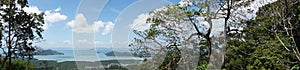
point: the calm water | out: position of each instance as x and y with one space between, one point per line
69 56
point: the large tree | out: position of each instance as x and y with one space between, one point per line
188 25
167 38
19 30
267 42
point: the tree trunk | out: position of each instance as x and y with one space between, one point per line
9 39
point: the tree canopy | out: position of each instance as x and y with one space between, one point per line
268 41
19 31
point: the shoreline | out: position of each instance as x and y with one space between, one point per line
90 61
69 65
109 59
69 56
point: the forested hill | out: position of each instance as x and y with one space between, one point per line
270 41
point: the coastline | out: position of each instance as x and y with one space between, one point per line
69 56
67 61
69 65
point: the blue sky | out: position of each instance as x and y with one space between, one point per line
58 31
101 23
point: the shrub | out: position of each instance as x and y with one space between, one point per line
19 65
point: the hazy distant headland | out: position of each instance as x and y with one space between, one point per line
48 52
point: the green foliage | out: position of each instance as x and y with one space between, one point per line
188 13
295 67
165 36
20 65
204 67
262 44
259 46
19 30
172 59
299 14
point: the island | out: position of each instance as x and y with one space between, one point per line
114 53
47 52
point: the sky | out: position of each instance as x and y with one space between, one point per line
66 18
97 22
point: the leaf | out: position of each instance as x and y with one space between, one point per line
188 13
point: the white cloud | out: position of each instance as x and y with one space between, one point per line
67 42
218 25
55 16
203 24
80 25
108 28
259 3
99 24
57 10
184 3
140 23
253 6
50 16
32 9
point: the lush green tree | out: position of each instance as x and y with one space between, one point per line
167 38
189 24
19 65
268 41
19 30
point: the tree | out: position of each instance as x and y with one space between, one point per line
268 41
20 65
213 10
190 25
19 30
167 36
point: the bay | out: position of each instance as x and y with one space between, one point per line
69 56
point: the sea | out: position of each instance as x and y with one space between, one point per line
86 55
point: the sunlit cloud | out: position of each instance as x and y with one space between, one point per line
140 23
80 25
50 16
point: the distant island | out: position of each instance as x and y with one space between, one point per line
48 52
114 53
